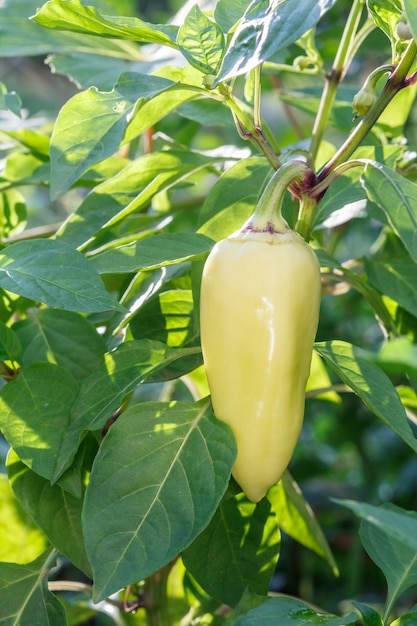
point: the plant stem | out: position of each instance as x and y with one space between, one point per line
155 598
267 216
249 130
339 68
394 84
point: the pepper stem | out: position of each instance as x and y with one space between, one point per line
268 216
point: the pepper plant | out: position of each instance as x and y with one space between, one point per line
117 501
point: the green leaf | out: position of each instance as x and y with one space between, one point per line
12 213
104 390
155 484
407 619
91 125
238 549
287 611
227 14
370 383
147 113
10 101
34 414
55 511
201 41
344 195
397 197
92 70
53 273
391 554
10 346
394 277
168 318
27 169
232 199
21 541
65 338
369 616
410 10
385 14
399 525
128 191
74 16
296 518
152 252
265 29
20 36
25 598
399 356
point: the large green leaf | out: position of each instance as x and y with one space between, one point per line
53 273
153 252
397 197
120 372
25 599
91 125
393 556
74 16
21 36
128 191
21 541
155 484
201 41
62 337
35 412
55 511
238 549
370 383
296 518
266 28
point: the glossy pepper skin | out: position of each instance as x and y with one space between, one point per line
260 299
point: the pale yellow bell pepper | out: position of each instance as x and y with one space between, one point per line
260 299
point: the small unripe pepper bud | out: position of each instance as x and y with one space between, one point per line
363 100
403 29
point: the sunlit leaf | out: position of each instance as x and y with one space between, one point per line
238 549
72 15
55 511
21 541
65 338
370 383
129 191
156 482
34 414
25 598
53 273
120 372
201 41
91 125
12 213
153 252
296 518
266 28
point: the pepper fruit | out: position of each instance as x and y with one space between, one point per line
260 300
